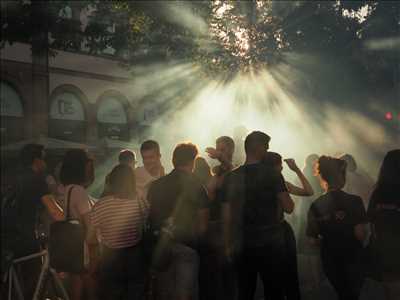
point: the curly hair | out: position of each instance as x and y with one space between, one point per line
332 171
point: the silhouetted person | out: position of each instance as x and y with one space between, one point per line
202 170
274 160
384 215
255 197
180 201
33 196
310 269
217 276
311 173
336 222
357 183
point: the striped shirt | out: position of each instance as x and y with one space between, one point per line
119 221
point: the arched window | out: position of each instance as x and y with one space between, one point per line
67 118
112 117
12 114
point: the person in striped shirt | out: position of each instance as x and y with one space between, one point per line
118 220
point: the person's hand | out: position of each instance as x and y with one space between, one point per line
292 164
213 153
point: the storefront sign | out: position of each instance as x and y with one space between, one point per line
66 106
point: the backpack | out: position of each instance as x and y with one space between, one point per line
66 243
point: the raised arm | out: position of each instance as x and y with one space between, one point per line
306 189
226 164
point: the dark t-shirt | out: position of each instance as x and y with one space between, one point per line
382 198
215 205
179 194
333 217
32 187
384 214
251 191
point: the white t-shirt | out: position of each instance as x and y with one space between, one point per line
143 181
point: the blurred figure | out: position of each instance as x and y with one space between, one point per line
223 152
119 219
152 168
254 199
202 170
239 134
357 183
32 197
337 223
77 173
310 269
125 157
179 201
274 160
216 275
384 215
311 172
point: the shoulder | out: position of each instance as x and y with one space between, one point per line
103 201
78 192
352 198
141 172
236 172
159 183
320 202
162 180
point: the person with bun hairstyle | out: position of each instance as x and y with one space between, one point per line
337 224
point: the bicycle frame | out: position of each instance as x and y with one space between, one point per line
44 272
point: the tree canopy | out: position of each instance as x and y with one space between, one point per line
222 36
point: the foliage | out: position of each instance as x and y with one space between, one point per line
224 37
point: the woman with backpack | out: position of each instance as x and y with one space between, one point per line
384 215
76 174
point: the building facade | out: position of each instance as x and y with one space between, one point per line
77 97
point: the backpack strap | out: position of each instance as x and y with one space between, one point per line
68 202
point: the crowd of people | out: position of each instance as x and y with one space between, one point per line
212 233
